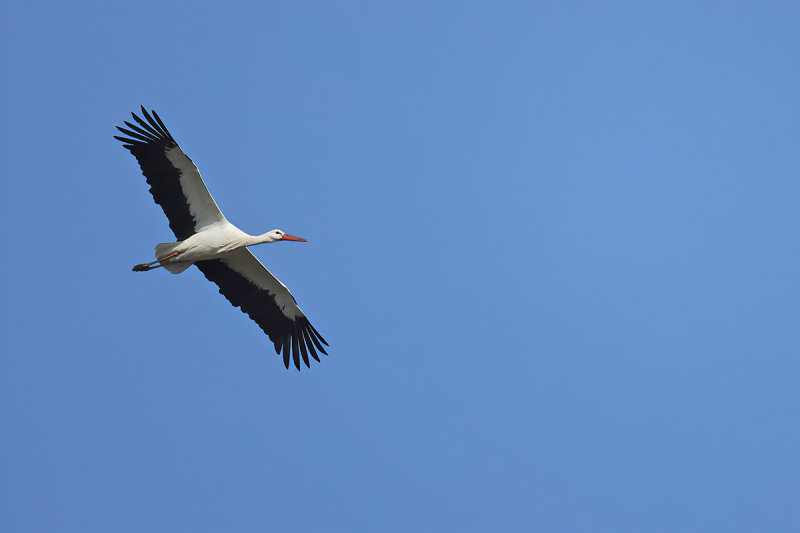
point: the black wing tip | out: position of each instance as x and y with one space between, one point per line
295 352
298 345
151 129
303 351
318 334
310 345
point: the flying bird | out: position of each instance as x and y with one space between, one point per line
218 248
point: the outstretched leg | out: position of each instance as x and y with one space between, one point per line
148 266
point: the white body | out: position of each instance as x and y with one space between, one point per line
213 242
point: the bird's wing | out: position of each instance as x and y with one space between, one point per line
174 180
246 283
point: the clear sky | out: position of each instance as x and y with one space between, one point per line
554 247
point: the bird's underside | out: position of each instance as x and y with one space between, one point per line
176 185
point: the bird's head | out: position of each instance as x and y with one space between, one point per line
280 235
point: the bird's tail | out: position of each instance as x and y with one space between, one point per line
166 248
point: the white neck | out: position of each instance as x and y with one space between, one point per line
259 239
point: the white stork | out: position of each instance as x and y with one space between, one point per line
214 245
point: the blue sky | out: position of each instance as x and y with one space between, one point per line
553 245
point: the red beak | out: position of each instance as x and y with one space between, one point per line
287 237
